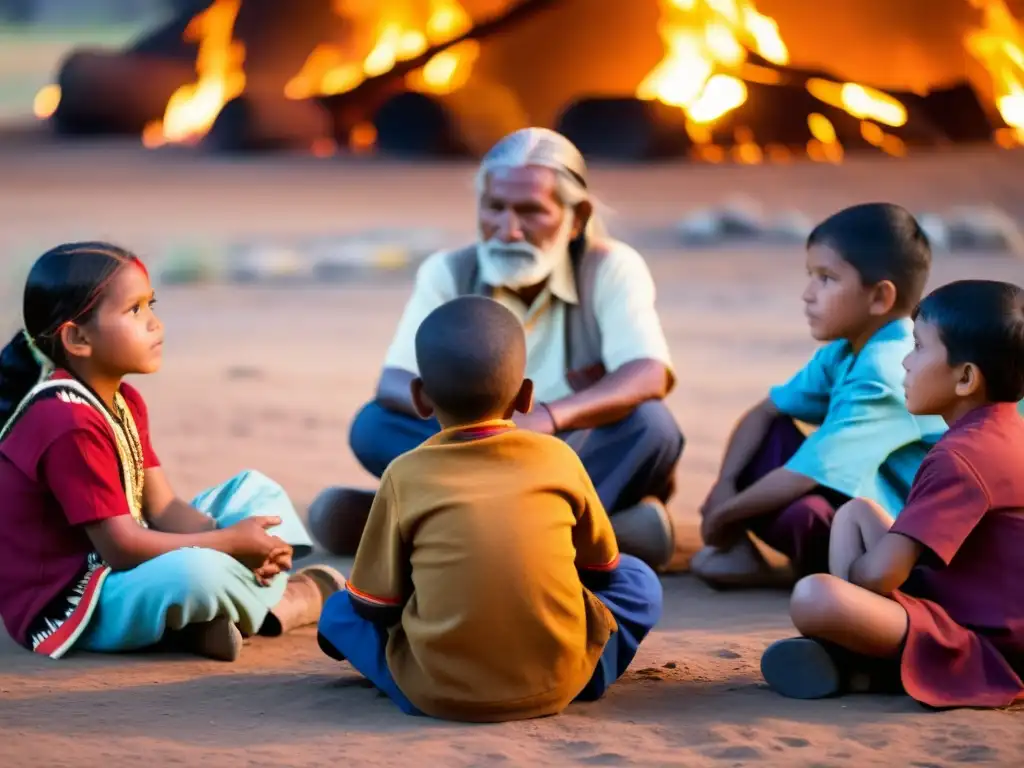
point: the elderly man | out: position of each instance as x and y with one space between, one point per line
596 350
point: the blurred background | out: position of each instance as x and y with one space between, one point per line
284 166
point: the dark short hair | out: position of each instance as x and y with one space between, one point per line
881 241
471 353
982 322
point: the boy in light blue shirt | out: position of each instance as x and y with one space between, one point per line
867 268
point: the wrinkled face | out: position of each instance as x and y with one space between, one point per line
836 303
522 205
125 334
931 383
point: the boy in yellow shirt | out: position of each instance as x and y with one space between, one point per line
488 585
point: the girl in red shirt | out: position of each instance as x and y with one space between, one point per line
99 553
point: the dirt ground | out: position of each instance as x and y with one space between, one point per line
269 378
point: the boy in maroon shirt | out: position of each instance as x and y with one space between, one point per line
941 591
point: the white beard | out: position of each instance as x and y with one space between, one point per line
522 264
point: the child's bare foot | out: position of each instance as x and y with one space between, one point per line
742 565
304 598
219 639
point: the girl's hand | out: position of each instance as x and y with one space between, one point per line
249 542
279 561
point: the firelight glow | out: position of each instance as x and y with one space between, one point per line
403 32
999 45
192 108
706 65
706 40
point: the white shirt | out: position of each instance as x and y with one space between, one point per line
624 299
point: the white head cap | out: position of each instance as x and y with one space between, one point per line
548 149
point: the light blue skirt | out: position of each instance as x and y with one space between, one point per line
193 585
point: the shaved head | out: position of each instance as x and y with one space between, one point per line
471 353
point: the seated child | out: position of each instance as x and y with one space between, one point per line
868 266
99 553
488 585
939 597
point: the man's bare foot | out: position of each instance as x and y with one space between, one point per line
337 517
645 531
742 565
698 559
219 639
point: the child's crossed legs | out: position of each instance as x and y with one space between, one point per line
858 526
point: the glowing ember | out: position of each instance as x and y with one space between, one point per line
999 45
860 101
46 101
705 41
192 108
875 136
363 138
825 146
402 33
323 148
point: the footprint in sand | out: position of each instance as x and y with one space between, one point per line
575 748
973 753
794 741
605 758
735 753
237 372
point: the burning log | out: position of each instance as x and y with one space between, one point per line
625 128
953 114
466 122
362 102
958 113
129 91
251 123
779 115
115 93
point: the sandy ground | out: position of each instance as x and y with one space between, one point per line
269 378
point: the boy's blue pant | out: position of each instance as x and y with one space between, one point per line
633 597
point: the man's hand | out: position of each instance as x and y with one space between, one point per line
713 528
722 491
537 420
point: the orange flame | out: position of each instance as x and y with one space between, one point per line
192 108
705 71
706 41
401 34
999 45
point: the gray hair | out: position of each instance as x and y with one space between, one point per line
548 149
